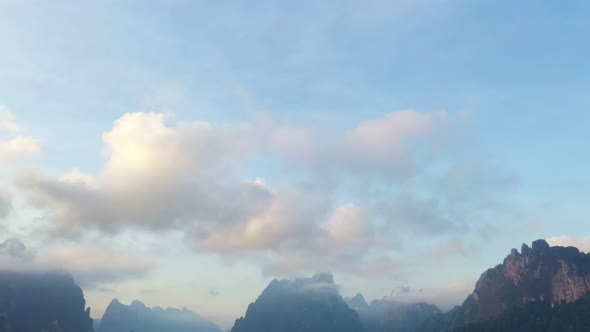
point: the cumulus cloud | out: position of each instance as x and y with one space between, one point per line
161 174
582 243
155 177
15 148
18 148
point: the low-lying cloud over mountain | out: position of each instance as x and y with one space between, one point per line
90 267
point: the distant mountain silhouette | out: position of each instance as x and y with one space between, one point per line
551 276
302 305
35 302
137 317
387 315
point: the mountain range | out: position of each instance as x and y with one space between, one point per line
538 288
119 317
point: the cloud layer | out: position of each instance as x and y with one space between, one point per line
14 147
161 174
90 267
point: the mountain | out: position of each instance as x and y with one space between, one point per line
302 305
387 315
137 317
551 275
33 302
538 316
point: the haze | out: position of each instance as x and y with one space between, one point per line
186 153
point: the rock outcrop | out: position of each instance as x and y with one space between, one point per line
554 275
389 315
35 302
137 317
303 305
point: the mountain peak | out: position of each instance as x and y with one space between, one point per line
541 273
540 246
301 305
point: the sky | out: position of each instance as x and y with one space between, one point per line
185 153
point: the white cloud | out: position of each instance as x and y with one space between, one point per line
582 243
19 148
187 176
156 176
15 148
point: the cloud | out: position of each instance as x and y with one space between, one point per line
445 297
394 146
15 148
582 243
160 174
156 177
5 204
92 267
18 148
419 215
15 252
454 248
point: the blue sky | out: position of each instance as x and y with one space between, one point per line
444 132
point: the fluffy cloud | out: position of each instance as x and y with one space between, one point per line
582 243
15 148
156 177
188 176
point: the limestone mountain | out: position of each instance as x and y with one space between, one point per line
302 305
48 301
137 317
554 275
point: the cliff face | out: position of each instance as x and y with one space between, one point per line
391 316
34 302
304 305
553 275
540 273
137 317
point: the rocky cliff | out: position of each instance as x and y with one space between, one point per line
35 302
137 317
554 275
303 305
